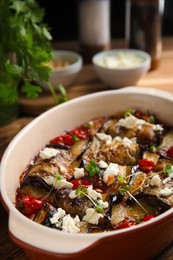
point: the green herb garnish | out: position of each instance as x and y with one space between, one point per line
75 138
123 189
92 168
152 119
168 169
128 112
81 191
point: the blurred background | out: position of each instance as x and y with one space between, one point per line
63 20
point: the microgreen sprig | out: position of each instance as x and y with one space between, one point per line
168 169
152 119
127 112
56 179
82 192
92 168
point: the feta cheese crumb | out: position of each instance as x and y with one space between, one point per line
72 194
102 164
103 204
92 216
70 224
155 181
93 194
171 175
63 184
127 142
79 173
65 222
57 216
166 192
111 171
106 138
166 180
48 153
131 121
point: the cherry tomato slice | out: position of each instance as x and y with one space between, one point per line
65 139
147 217
125 224
30 205
82 134
169 153
84 183
146 165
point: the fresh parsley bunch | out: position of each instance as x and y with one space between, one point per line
25 49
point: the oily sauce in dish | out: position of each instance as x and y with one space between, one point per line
109 173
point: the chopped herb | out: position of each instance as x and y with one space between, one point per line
92 168
168 169
87 125
81 191
122 190
75 138
121 179
58 177
154 148
128 112
99 208
152 119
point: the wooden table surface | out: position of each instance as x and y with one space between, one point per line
86 82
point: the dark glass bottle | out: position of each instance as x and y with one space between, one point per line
143 27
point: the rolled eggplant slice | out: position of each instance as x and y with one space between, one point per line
76 206
115 152
44 213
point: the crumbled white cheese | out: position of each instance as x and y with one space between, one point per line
118 138
171 175
48 153
103 137
127 142
63 184
131 121
72 194
70 224
166 180
57 216
102 164
65 222
62 169
166 192
92 216
103 204
155 181
93 194
112 170
79 173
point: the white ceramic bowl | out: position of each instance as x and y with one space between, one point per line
65 75
142 241
121 67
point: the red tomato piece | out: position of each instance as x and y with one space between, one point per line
82 134
84 183
30 205
125 224
146 165
65 139
169 153
147 217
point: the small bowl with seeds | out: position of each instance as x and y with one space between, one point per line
65 67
